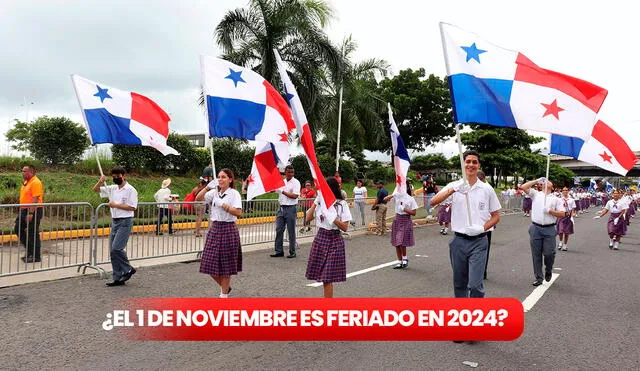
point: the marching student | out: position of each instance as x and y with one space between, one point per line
564 225
616 226
222 254
402 226
327 261
444 216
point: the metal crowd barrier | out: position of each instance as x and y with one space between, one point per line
77 235
58 236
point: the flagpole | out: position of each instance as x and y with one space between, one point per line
339 127
547 172
213 163
86 125
457 125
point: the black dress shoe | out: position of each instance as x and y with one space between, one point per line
537 283
458 341
291 256
547 276
115 283
277 255
125 277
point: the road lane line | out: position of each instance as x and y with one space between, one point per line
316 284
537 293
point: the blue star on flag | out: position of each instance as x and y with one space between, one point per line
235 77
473 52
102 94
288 97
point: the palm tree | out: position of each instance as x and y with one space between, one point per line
361 106
249 35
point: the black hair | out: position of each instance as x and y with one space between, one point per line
289 167
118 170
409 186
31 167
335 187
470 152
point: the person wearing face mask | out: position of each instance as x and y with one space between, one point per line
468 248
123 201
616 226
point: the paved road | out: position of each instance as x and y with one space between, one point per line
587 319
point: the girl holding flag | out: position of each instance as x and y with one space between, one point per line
402 227
222 254
616 226
327 261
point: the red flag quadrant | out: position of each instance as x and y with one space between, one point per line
265 175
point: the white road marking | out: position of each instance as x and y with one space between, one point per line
537 293
316 284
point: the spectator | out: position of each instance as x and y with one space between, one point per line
27 225
381 208
199 208
359 199
307 194
430 189
337 176
123 201
163 198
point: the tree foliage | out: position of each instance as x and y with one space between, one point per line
51 140
430 162
421 108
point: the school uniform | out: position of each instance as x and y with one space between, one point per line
222 254
615 210
468 254
402 227
564 225
327 260
444 214
542 233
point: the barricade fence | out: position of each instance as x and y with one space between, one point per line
64 235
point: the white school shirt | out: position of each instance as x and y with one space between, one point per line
616 206
291 186
482 199
571 204
125 195
359 193
163 195
230 197
538 204
402 201
342 210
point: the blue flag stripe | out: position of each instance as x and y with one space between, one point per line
107 128
482 101
236 118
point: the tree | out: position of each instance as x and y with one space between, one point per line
430 162
249 35
362 107
421 108
51 140
504 149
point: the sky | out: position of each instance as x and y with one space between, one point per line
152 48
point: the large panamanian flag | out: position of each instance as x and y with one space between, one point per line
325 197
604 148
242 104
265 175
122 117
496 86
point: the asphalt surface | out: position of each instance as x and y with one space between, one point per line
587 319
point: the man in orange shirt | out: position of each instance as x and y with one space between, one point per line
28 221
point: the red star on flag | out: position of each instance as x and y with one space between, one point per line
250 179
605 157
399 179
283 137
552 109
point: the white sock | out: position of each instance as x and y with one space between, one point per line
224 296
566 246
610 241
446 229
404 258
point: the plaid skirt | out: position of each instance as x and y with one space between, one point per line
402 231
619 229
222 254
632 208
564 225
526 203
444 215
327 261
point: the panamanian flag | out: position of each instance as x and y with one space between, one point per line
265 175
496 86
605 148
401 160
122 117
242 104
